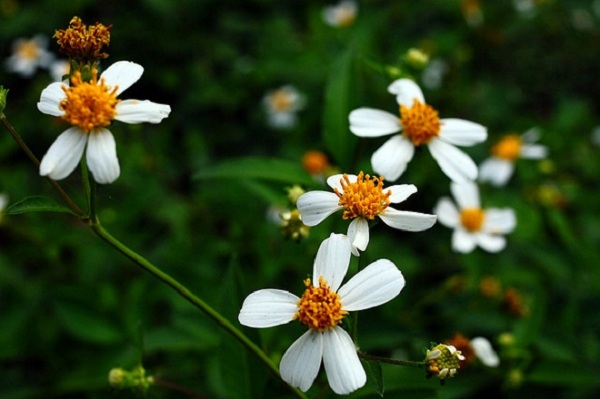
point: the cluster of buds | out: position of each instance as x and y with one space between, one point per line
135 380
443 361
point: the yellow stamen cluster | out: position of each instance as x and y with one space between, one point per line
364 198
89 104
319 308
420 123
84 43
472 219
28 49
346 16
508 148
281 100
443 361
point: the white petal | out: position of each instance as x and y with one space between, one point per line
358 232
401 192
64 154
376 284
335 181
342 365
122 74
101 156
466 194
369 122
315 206
447 213
391 158
534 151
332 260
499 221
485 352
463 241
408 221
51 98
136 111
461 132
268 308
489 242
406 91
532 135
301 362
496 171
457 165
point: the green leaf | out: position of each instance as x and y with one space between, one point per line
273 169
87 325
376 375
340 97
36 203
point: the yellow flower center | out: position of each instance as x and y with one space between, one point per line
83 42
508 148
446 364
320 307
281 100
28 50
472 219
364 198
89 104
420 123
346 16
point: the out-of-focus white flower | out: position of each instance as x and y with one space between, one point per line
342 14
419 124
485 352
28 55
474 226
321 308
362 198
433 75
282 105
500 166
58 69
90 107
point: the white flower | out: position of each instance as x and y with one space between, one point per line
484 351
28 55
362 199
419 125
282 105
500 166
89 107
58 69
342 14
321 308
473 225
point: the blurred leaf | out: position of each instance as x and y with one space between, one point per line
339 101
257 168
36 203
87 325
562 373
376 375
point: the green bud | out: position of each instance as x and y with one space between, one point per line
3 95
416 58
136 379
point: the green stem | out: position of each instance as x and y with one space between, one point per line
72 205
194 300
396 362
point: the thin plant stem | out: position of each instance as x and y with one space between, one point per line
72 205
388 360
191 298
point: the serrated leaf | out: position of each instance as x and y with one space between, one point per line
339 101
273 169
36 203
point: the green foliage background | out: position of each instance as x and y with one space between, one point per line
71 308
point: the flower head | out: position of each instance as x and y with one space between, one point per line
498 168
282 105
90 107
321 308
419 124
472 224
342 14
82 43
443 361
28 55
362 198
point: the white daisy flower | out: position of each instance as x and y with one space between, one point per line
342 14
474 226
362 198
419 124
498 168
28 55
90 107
282 105
321 308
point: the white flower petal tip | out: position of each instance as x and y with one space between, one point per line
300 364
136 111
101 156
64 154
369 122
122 74
485 352
268 308
462 133
406 92
455 164
407 221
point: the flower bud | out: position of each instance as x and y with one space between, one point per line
443 361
